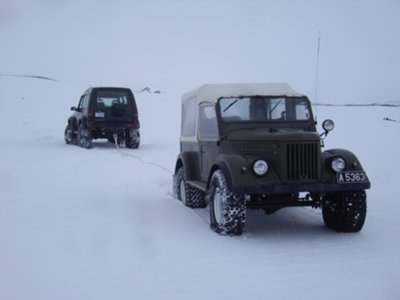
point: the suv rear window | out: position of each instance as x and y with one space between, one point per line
113 105
110 98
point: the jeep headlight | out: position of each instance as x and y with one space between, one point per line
260 167
338 164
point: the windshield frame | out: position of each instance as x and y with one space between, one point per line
263 109
271 125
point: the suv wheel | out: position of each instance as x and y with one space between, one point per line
345 211
227 210
69 135
132 138
189 195
84 137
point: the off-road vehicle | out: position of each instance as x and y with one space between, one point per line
256 146
104 113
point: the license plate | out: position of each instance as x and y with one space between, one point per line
351 177
99 114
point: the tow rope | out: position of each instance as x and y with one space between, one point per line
115 136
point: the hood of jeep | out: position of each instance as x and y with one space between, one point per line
267 135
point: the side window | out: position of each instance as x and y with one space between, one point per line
208 127
83 102
80 105
189 117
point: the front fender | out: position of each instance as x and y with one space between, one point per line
231 166
352 165
352 162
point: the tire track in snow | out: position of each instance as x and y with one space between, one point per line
141 160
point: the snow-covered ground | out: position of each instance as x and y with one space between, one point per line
102 223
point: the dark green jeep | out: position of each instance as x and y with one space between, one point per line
256 146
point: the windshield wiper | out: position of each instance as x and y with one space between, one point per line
230 105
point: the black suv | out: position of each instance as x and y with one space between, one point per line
104 113
256 146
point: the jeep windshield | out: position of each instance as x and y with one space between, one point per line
264 109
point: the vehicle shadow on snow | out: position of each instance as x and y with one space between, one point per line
109 145
287 222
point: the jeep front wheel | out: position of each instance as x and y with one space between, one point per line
84 137
189 195
345 211
227 209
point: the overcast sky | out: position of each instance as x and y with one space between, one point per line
178 45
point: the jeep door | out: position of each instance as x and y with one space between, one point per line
208 138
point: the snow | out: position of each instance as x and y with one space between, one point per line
102 223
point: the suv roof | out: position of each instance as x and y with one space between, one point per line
212 92
104 88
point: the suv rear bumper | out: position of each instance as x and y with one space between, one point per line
108 131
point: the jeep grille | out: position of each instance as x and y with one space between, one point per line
302 161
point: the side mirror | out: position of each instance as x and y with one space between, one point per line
73 108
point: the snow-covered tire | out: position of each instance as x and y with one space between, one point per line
132 138
69 135
345 211
84 137
189 195
227 209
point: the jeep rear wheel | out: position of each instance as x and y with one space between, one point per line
227 209
84 137
345 211
189 195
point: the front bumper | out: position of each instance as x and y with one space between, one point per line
297 188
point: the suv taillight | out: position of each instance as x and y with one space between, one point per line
91 115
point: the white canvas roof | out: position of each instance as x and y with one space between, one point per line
212 92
